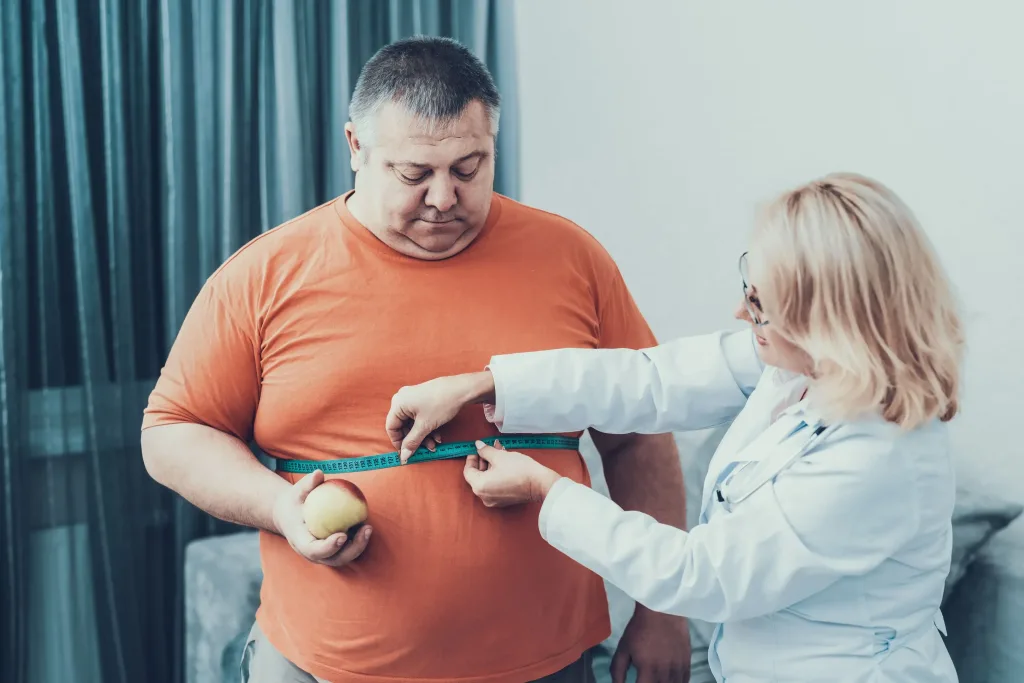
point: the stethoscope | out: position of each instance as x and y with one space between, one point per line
768 468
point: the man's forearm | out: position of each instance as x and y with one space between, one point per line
214 471
643 474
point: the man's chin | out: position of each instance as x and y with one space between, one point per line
438 252
439 244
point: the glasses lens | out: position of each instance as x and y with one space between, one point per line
749 298
752 311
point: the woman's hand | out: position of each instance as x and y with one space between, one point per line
417 412
499 477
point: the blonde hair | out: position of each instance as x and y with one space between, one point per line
849 277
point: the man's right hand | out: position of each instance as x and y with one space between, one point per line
417 412
336 550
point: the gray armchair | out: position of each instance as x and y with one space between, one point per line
222 591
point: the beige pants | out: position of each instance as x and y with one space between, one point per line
262 663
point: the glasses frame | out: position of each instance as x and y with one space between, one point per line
753 310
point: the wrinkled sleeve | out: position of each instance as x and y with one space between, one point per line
689 383
212 373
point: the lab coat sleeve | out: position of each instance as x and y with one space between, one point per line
690 383
840 511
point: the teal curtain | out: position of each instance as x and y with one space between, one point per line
142 142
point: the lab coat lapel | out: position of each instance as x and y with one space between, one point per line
756 449
751 426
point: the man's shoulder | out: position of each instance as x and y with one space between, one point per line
547 226
291 242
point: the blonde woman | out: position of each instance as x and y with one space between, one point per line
825 535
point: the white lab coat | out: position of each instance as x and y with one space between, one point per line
831 570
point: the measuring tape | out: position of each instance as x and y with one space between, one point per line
445 451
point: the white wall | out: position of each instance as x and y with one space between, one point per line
657 125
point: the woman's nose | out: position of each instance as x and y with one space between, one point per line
741 312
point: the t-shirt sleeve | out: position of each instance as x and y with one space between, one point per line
212 374
621 325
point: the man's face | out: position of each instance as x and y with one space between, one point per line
424 193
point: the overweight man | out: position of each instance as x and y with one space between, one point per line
300 339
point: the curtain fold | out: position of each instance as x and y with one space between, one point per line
13 343
141 144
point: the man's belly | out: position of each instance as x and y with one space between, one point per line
446 589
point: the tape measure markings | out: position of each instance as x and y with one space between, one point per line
445 451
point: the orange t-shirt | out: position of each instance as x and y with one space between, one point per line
300 340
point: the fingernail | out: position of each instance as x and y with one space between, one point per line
406 454
367 534
480 444
341 541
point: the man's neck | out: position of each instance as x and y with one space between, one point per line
359 212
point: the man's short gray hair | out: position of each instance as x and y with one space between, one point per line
434 79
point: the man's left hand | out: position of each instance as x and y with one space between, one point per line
656 645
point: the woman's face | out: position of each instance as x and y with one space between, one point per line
773 348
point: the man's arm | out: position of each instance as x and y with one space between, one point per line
214 471
200 417
644 474
200 414
218 473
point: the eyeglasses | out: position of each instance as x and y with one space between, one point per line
750 299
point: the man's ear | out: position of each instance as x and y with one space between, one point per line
356 151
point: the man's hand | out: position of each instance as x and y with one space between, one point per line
417 412
334 551
656 645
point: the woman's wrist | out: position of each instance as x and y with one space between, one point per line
480 387
543 481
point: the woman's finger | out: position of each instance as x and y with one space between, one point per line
417 433
488 453
471 472
394 424
497 447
